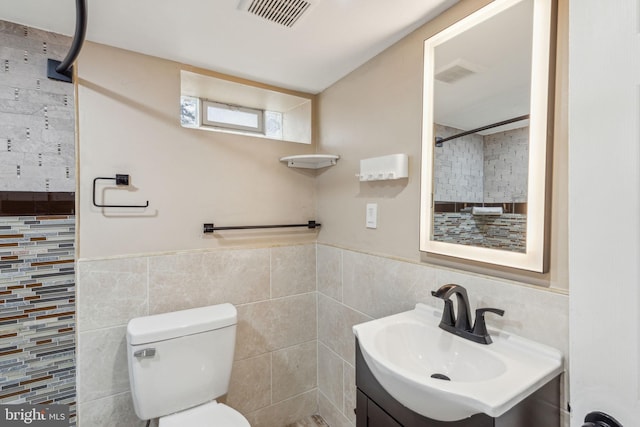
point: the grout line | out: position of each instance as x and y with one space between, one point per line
148 282
270 273
342 276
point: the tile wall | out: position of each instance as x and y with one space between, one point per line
37 310
37 118
354 287
458 164
473 168
506 166
37 223
506 231
274 379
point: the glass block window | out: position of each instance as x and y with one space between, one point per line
189 111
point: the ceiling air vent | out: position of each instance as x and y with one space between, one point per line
457 70
283 12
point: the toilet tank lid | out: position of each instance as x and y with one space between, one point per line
159 327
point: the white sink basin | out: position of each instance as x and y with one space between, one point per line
403 351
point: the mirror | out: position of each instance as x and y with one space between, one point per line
486 136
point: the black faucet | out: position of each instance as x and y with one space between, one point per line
461 324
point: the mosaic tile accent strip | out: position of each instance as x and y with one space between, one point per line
506 232
37 311
37 118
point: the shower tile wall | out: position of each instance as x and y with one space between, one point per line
354 287
37 119
37 318
506 166
37 176
458 167
274 377
493 168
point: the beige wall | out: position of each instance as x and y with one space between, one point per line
137 262
377 110
129 123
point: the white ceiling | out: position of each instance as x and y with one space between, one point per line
328 42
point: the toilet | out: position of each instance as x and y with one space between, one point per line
180 362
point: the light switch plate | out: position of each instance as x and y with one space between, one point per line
372 215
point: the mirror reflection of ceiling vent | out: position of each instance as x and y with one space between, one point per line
283 12
457 70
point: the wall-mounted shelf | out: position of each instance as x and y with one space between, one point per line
393 166
311 161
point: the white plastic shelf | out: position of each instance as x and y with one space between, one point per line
311 161
394 166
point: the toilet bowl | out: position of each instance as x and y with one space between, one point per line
179 363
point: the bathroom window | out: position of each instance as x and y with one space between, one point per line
218 104
232 117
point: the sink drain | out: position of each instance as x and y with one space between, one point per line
441 377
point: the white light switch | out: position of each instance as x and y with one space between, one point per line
372 215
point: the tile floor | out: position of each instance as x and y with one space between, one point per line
312 421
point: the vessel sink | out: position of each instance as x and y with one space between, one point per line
447 378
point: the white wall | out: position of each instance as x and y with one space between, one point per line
604 190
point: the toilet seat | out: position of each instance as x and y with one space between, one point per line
212 414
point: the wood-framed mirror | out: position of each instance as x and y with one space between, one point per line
487 134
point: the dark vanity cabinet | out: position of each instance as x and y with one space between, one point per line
376 407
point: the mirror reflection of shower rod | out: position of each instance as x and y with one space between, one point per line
440 140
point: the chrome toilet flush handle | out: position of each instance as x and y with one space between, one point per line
147 352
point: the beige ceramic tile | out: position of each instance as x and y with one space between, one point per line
293 270
330 375
109 411
312 421
332 415
102 364
380 286
350 392
111 292
275 324
537 314
335 322
250 387
286 412
294 370
196 279
330 271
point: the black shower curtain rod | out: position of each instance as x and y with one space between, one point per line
62 71
480 129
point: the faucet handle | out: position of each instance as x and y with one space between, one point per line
480 326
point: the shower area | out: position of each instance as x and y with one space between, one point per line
37 222
480 186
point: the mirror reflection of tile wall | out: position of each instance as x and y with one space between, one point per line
476 168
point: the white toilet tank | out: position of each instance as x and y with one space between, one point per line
181 359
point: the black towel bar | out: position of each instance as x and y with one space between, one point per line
210 228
